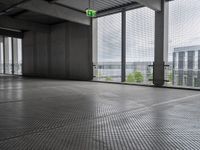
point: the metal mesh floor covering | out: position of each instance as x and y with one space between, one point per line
41 114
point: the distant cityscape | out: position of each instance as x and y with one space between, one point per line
183 71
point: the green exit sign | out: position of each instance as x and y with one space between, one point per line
91 13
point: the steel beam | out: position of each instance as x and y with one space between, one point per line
8 22
118 9
46 8
10 33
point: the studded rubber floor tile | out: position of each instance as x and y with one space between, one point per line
41 114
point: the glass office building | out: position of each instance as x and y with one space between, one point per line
183 43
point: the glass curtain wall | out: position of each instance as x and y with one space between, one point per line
108 67
10 55
17 53
1 56
184 43
140 24
139 46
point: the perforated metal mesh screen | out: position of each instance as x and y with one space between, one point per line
109 47
98 5
139 45
184 43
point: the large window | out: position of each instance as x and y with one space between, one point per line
17 49
1 56
139 48
108 59
183 55
184 43
139 45
10 55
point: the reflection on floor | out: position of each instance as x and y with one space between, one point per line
3 76
55 114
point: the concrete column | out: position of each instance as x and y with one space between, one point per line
95 46
123 73
161 44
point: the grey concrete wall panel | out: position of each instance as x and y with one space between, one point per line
65 52
58 49
80 54
41 50
28 53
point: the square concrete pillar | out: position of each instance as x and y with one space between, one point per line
161 45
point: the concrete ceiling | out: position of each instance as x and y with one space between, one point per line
10 2
39 18
103 5
99 5
11 9
46 12
55 11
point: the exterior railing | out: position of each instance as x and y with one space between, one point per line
136 72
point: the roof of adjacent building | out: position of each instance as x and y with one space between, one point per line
187 48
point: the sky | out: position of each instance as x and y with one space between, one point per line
184 30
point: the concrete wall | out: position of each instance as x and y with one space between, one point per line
65 52
58 65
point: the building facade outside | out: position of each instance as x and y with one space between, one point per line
186 66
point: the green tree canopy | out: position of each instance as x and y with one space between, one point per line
109 79
136 76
